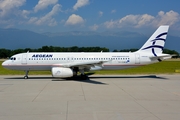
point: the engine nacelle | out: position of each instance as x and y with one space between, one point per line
61 72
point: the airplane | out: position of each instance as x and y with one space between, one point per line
65 64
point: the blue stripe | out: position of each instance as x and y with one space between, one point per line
153 46
160 39
153 52
161 34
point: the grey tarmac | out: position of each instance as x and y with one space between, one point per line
105 97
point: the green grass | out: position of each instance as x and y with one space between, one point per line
165 67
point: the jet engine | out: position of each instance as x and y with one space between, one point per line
61 72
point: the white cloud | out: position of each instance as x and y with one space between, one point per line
10 13
94 27
100 13
169 18
32 20
80 3
42 4
111 24
25 13
137 21
48 18
74 20
9 7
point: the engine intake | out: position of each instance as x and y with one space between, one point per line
61 72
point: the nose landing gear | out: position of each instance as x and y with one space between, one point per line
26 74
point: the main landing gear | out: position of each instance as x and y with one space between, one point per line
83 75
26 74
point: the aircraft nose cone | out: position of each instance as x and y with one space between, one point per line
4 64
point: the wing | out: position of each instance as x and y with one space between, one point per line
83 65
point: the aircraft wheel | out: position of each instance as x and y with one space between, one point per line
25 77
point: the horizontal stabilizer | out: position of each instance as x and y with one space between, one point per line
161 57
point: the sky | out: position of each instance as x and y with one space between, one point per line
89 15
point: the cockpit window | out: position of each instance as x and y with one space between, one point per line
12 58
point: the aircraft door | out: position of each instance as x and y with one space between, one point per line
24 59
137 58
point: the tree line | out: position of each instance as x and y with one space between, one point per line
6 53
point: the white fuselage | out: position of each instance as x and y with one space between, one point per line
45 61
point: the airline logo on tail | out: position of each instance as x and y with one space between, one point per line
156 42
158 38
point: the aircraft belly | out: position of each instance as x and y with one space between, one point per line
29 67
44 67
117 67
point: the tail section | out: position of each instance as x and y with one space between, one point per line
156 42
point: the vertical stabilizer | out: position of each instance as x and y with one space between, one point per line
156 42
